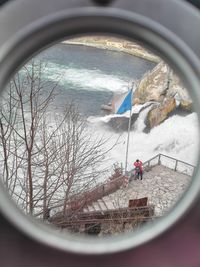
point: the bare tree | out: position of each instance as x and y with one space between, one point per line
46 157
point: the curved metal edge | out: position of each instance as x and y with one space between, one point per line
178 16
127 25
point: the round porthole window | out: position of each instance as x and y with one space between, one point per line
99 128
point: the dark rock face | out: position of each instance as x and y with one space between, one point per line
163 90
159 114
159 84
120 124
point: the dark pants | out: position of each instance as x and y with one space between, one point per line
139 175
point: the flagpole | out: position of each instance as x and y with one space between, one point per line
129 128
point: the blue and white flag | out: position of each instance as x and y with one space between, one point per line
124 103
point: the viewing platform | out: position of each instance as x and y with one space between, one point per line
165 179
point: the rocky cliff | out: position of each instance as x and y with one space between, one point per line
162 93
161 85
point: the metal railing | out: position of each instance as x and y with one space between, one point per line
170 162
86 198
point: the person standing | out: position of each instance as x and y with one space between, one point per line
138 164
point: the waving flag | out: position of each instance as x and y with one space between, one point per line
120 105
123 103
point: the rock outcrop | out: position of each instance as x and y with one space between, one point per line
163 86
159 114
160 84
120 124
153 86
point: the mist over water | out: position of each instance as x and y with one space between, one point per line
86 79
90 76
176 137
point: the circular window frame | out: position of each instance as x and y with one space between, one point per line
67 24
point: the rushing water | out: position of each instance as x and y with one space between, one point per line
89 77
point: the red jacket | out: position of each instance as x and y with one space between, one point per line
138 164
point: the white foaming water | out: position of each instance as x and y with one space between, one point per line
85 78
176 137
135 110
140 123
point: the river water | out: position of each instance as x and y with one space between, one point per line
89 76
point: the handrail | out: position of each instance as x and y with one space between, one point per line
86 196
186 163
174 159
157 156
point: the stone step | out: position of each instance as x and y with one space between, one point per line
161 185
109 203
95 206
85 209
102 205
90 208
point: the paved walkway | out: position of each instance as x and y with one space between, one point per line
161 185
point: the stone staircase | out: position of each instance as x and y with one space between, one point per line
162 185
